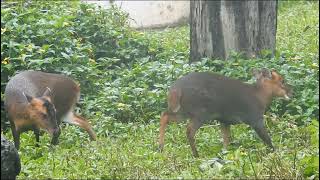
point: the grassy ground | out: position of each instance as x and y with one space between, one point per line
129 150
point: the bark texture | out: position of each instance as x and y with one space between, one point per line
10 161
220 27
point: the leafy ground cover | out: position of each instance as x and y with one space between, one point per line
130 72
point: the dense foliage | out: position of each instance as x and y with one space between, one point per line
124 75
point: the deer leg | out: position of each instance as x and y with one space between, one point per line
225 130
164 120
166 117
55 137
36 132
16 135
81 122
192 128
263 134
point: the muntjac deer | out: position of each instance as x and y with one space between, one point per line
37 100
204 96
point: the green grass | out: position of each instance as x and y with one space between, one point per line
298 30
131 153
129 150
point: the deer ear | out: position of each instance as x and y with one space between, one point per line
47 92
28 97
274 74
256 73
266 73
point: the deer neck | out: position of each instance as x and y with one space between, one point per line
264 95
21 110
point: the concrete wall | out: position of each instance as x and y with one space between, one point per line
152 14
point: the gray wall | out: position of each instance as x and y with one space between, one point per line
152 14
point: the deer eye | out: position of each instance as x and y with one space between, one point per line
44 115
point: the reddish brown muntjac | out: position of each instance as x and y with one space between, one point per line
205 96
37 100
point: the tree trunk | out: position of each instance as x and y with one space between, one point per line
220 27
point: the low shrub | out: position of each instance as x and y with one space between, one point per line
128 70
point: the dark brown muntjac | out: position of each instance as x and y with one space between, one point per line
204 96
37 100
